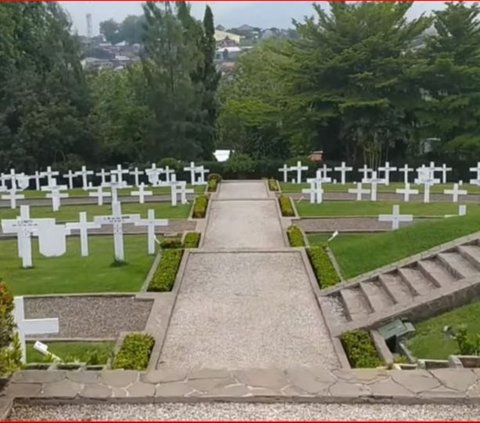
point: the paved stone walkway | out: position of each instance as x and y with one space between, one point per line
239 307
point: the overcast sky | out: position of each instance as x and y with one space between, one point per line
227 13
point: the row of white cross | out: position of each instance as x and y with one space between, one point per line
22 181
368 173
52 236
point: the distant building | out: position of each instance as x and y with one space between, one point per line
316 156
222 35
222 155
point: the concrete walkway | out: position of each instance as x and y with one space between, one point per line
245 299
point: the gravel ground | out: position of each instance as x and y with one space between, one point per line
90 316
246 310
245 411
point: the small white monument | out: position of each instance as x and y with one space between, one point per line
374 181
136 175
405 170
151 223
27 327
426 179
284 170
83 225
153 175
55 194
462 210
299 168
315 191
395 218
191 169
84 173
343 169
99 194
455 192
406 192
49 174
37 178
202 172
179 188
103 176
359 191
365 171
141 193
387 169
444 169
70 175
12 196
119 172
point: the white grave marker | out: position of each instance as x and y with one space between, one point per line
99 194
299 168
153 174
103 175
179 188
55 194
387 169
395 217
315 191
119 172
84 173
141 193
343 169
136 175
70 175
374 181
191 169
405 170
83 225
49 174
202 172
285 169
455 192
406 192
359 191
365 171
13 197
151 223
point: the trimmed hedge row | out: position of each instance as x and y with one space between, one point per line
360 349
295 236
200 207
167 243
322 266
273 185
192 240
213 181
166 273
135 351
286 206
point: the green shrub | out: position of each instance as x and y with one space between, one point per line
273 184
200 207
166 273
135 351
171 243
10 353
192 239
212 185
468 344
322 266
240 164
286 206
215 176
360 349
295 236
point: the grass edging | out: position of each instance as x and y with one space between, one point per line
286 206
134 353
360 349
323 267
273 185
192 240
295 236
200 207
166 272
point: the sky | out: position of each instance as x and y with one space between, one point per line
230 14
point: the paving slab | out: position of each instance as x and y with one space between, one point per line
250 190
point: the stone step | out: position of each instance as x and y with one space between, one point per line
377 296
399 290
335 307
356 303
439 274
457 264
413 276
471 253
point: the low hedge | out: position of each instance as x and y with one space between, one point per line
295 236
166 273
360 349
273 185
171 243
134 353
214 176
191 240
286 206
200 207
212 185
322 266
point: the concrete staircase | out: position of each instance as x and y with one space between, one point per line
417 288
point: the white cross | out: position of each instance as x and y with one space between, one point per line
70 175
444 169
103 175
117 220
365 171
177 188
405 170
191 169
315 191
13 197
202 171
37 178
115 185
27 327
343 169
169 174
84 174
99 194
425 178
323 172
395 217
462 210
119 172
49 173
141 193
374 181
455 192
477 171
386 170
55 194
406 192
83 225
153 174
136 174
3 186
299 168
12 177
150 222
285 169
359 191
320 175
432 168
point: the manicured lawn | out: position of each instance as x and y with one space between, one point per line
430 341
369 208
320 239
360 254
70 213
72 273
82 352
79 192
438 189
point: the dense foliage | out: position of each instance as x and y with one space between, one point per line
286 206
192 240
324 270
10 355
295 236
360 349
166 272
134 353
200 207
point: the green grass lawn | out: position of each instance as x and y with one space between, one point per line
70 213
430 341
320 239
437 189
72 273
79 192
359 254
369 208
73 351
